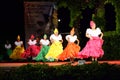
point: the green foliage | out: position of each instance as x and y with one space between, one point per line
100 22
93 71
34 72
75 11
111 47
75 7
116 4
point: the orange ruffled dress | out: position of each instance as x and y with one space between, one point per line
71 50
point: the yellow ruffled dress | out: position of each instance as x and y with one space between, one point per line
19 49
56 48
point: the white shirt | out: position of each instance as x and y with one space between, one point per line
44 42
32 42
18 43
94 33
56 38
8 46
71 38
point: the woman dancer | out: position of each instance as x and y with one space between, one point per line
32 50
56 47
8 48
93 47
19 49
44 49
72 49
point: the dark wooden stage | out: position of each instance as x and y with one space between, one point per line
18 64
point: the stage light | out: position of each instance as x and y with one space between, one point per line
59 20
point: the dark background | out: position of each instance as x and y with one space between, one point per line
11 20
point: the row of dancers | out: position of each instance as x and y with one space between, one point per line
52 49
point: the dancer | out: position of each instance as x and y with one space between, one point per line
8 48
44 49
32 50
56 47
18 50
72 49
93 47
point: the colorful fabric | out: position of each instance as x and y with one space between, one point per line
55 49
9 52
71 51
16 54
41 55
31 51
93 48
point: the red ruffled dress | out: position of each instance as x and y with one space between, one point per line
32 50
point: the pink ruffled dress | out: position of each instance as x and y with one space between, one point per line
93 47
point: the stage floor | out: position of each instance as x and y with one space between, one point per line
18 64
